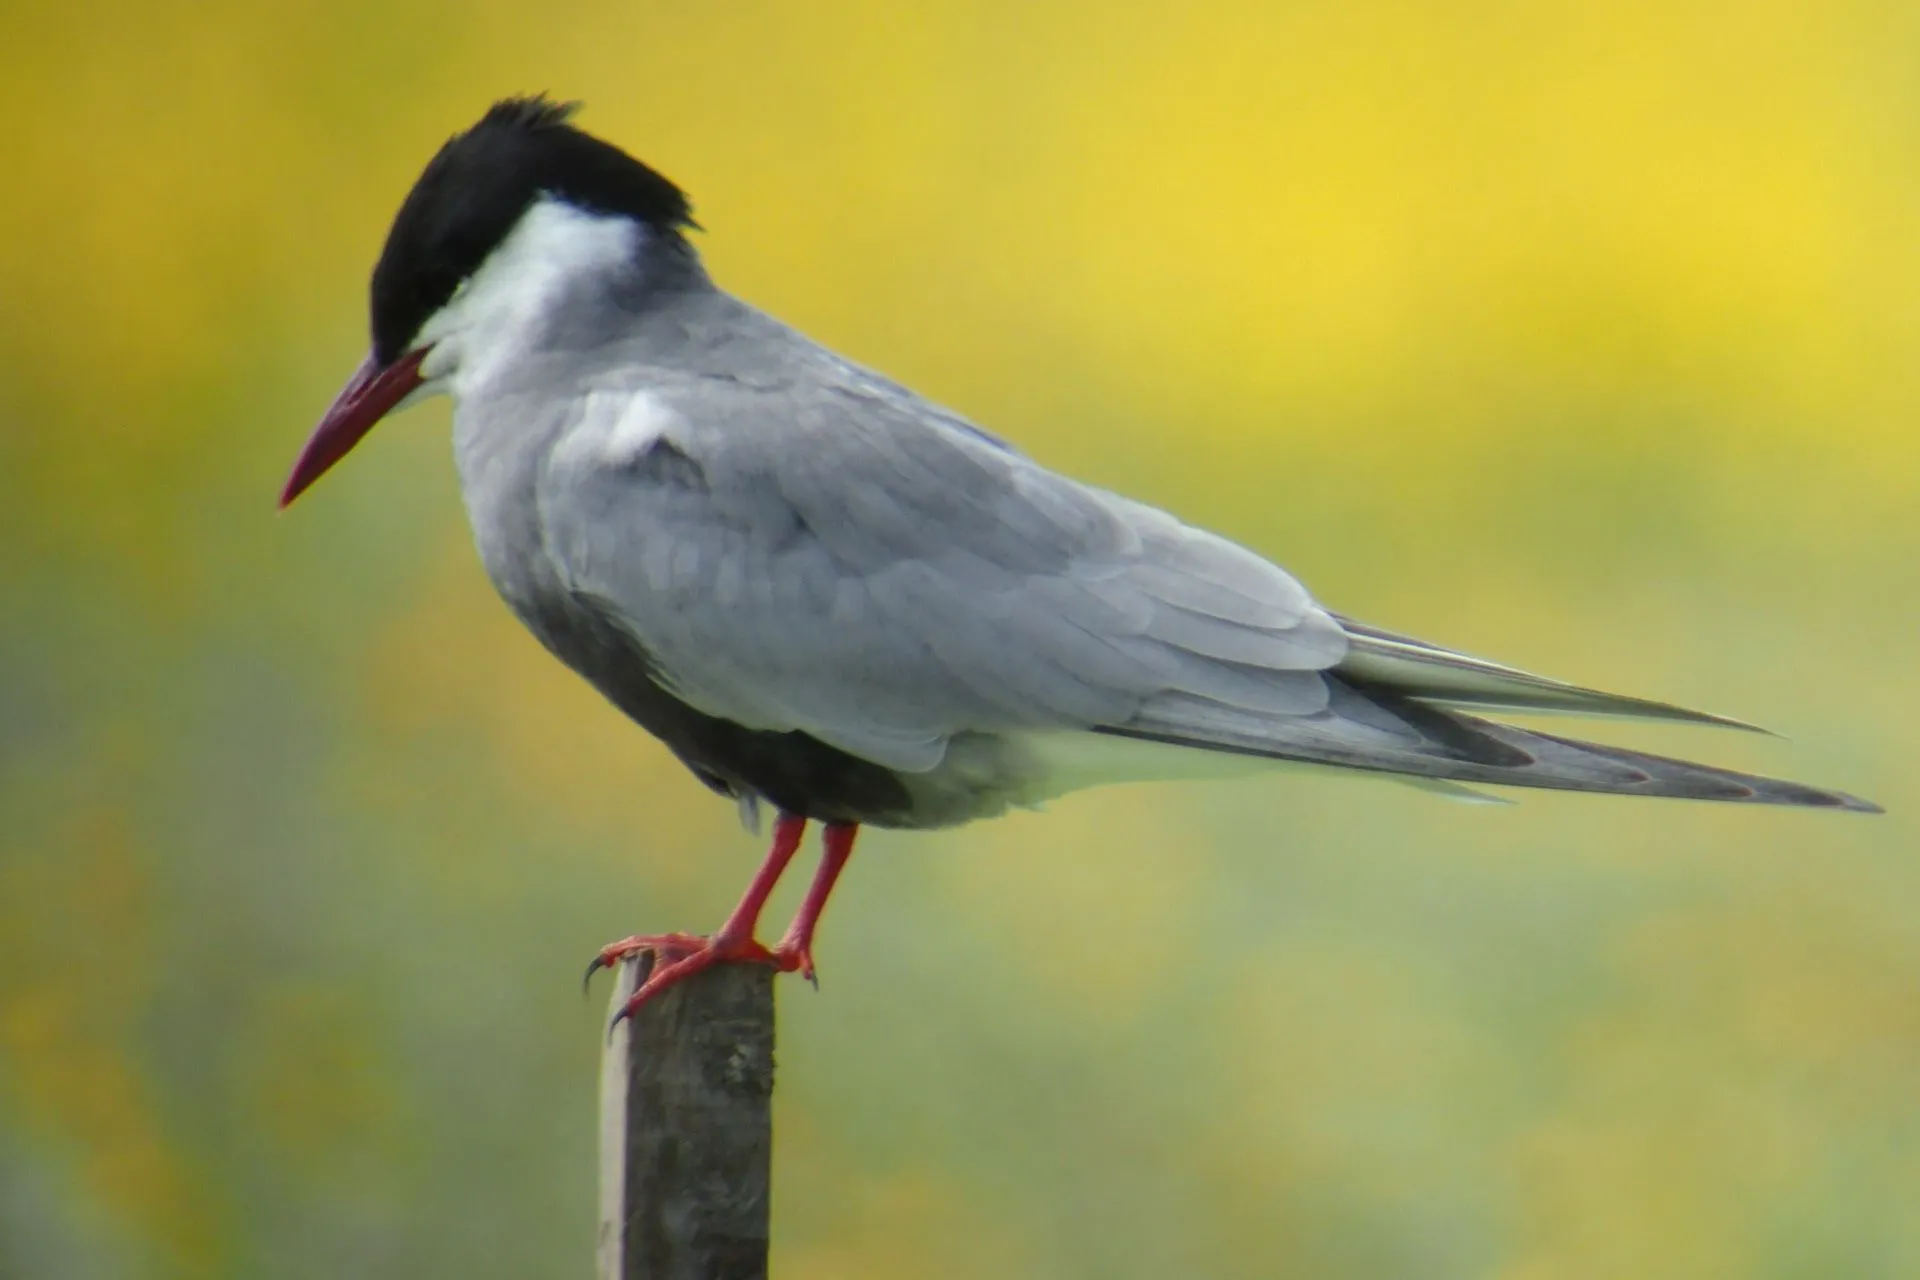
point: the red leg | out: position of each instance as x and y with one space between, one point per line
678 956
796 948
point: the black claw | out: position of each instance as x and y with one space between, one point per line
586 983
813 980
618 1018
598 963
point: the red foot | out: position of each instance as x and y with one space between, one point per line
796 959
678 956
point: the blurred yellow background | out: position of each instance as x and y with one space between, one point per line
1586 337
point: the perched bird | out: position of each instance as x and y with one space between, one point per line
830 596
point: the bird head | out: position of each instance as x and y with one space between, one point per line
508 222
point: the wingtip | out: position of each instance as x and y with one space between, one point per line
1688 715
1746 726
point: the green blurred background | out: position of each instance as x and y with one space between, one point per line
1587 337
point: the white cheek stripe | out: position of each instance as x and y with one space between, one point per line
495 317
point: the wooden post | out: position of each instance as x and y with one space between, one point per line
686 1129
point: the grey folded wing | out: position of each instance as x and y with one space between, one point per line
839 563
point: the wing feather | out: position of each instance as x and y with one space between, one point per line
829 555
852 569
1447 676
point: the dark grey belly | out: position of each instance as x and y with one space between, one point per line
794 772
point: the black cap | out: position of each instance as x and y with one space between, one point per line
473 193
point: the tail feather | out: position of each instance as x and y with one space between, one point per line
1391 731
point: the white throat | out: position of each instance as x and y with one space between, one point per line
553 254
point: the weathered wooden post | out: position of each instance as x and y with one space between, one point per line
686 1129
